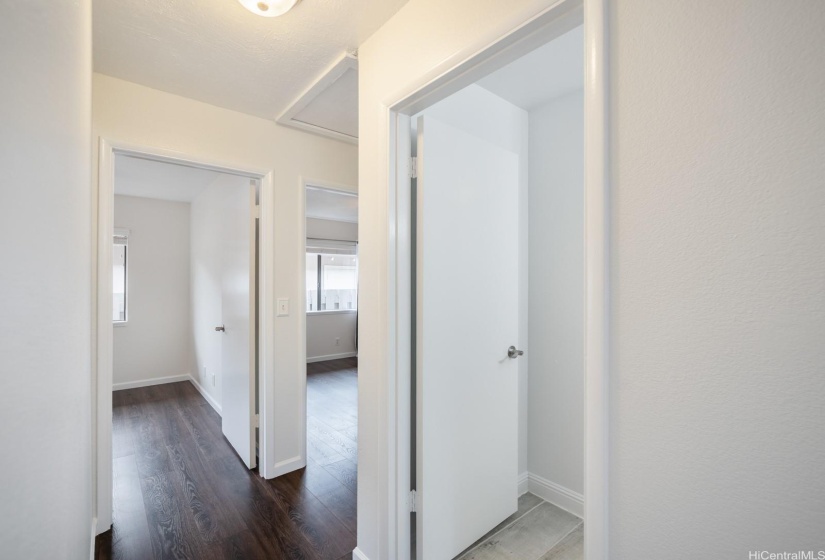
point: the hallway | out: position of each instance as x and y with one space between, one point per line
181 492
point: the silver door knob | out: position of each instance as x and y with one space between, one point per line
220 329
513 353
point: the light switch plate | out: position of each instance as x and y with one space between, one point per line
283 307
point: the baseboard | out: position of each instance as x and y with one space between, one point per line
150 382
331 357
94 539
358 555
287 466
209 398
522 483
556 494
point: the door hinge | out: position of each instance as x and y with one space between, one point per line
413 167
257 210
413 501
257 420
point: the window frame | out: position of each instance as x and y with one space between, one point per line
123 233
319 288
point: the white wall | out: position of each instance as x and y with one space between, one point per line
45 248
155 342
207 274
324 328
717 278
488 116
139 115
717 222
556 288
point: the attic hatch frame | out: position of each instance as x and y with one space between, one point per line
451 75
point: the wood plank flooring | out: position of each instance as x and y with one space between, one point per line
181 492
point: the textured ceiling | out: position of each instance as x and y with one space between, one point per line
217 52
550 71
155 179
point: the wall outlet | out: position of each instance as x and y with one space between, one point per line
337 341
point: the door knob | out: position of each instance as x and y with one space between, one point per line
220 329
513 353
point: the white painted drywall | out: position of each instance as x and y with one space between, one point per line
556 292
488 116
155 342
324 328
45 248
332 229
207 273
717 278
717 225
142 116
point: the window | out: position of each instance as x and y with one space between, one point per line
119 280
331 276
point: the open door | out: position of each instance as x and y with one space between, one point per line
466 319
239 316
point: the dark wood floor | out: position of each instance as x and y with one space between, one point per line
180 491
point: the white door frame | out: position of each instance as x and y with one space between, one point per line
302 315
102 317
445 79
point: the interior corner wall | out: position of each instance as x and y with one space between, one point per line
556 292
324 328
155 341
45 296
126 112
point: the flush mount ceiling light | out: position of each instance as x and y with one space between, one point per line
268 8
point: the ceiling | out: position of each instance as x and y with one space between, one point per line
217 52
165 181
327 204
552 70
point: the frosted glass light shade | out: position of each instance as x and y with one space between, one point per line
268 8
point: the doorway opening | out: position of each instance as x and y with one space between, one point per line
180 347
499 298
331 321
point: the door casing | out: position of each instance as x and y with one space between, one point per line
450 76
102 352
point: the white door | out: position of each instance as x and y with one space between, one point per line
467 317
239 319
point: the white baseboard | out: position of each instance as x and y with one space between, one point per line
150 382
358 555
522 483
287 466
209 398
556 494
94 538
314 359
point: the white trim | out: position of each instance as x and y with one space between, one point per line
94 538
452 74
151 381
289 465
102 306
345 62
597 270
313 359
358 555
556 494
522 483
331 312
207 397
